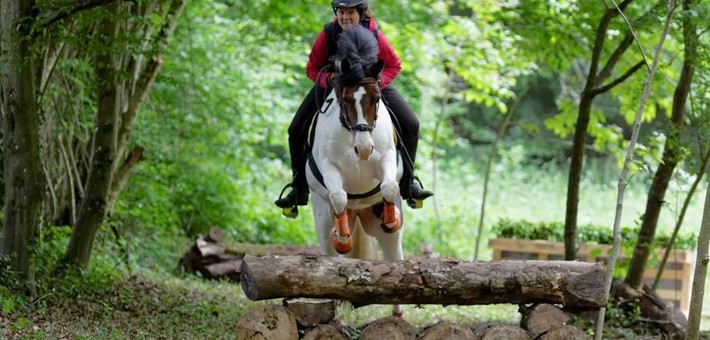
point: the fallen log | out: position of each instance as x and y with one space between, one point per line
577 285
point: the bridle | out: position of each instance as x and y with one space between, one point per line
343 109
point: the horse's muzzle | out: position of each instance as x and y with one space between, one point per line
364 151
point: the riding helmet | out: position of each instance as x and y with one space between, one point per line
360 5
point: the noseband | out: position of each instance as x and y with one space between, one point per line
343 110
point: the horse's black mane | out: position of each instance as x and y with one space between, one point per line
359 47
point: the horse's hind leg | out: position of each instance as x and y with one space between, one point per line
391 243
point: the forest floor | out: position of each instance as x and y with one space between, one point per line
152 304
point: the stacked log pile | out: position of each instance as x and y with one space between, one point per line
207 257
653 308
211 259
316 319
306 280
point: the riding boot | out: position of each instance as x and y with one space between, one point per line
299 185
409 185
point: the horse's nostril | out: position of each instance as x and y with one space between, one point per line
372 148
357 153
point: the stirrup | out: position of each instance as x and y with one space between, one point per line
288 211
417 203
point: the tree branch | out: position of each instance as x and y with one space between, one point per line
122 175
629 38
136 100
615 57
601 36
619 80
50 17
149 74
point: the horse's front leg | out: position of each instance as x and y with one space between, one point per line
338 199
391 218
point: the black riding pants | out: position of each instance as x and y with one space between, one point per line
405 122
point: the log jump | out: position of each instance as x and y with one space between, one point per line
576 285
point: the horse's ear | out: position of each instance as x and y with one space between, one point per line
377 67
342 66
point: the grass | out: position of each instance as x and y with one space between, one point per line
151 301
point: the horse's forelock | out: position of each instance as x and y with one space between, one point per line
359 46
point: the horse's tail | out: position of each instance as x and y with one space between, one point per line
364 245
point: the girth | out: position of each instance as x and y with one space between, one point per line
319 176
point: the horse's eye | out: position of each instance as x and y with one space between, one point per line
374 99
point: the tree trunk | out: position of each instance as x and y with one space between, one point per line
24 180
489 165
701 270
94 204
594 78
424 281
621 185
679 222
575 175
656 194
119 102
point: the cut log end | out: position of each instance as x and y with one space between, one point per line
267 322
542 318
490 331
248 282
565 332
390 328
214 235
311 312
446 330
324 332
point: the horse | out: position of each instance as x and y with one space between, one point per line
354 168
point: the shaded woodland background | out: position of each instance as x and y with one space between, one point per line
131 127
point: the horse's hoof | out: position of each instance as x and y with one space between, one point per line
342 248
390 229
290 212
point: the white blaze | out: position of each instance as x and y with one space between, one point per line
363 139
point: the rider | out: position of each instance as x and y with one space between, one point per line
349 13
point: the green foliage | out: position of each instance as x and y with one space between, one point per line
554 231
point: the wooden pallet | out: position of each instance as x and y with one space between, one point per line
674 285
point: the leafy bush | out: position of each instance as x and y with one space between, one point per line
554 231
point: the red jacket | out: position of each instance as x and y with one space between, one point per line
319 58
